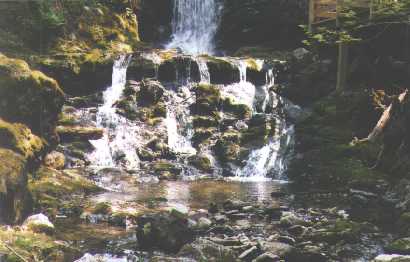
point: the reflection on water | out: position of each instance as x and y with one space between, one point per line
193 194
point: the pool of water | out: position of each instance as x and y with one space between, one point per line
190 194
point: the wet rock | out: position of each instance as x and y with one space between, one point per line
287 240
289 219
249 254
273 211
166 231
297 230
205 250
55 160
266 257
231 205
38 223
69 133
220 219
391 258
102 208
400 246
300 53
213 208
166 170
277 248
202 162
204 223
150 92
222 72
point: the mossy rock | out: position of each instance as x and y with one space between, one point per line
52 189
28 96
14 198
186 67
202 134
205 121
103 208
400 246
70 133
241 111
222 71
227 151
150 93
33 246
164 167
19 138
201 162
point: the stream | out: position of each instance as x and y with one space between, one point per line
200 131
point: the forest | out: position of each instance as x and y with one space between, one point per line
204 130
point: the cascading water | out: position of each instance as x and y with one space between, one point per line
118 145
194 25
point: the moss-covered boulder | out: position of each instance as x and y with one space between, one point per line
18 137
14 198
222 71
29 96
70 133
208 100
201 162
179 68
240 111
400 246
227 151
54 190
166 170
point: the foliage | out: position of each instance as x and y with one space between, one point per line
354 22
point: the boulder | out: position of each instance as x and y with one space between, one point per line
28 96
400 246
391 258
73 133
15 200
205 250
55 160
267 257
38 223
280 249
167 231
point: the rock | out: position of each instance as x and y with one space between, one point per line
249 254
14 196
26 96
266 257
38 223
222 72
55 160
19 138
205 250
400 246
167 231
287 240
201 162
220 219
300 53
274 211
297 230
391 258
277 248
289 219
204 223
213 208
248 209
231 205
150 93
70 133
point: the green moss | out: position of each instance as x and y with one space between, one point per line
203 163
51 189
103 208
18 137
31 246
400 246
241 111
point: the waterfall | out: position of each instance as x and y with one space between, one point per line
118 145
178 121
194 26
203 71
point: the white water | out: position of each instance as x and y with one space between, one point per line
178 121
118 139
194 26
203 71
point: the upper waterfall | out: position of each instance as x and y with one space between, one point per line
194 25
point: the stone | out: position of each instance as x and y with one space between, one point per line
277 248
70 133
167 231
399 246
300 53
220 219
204 223
266 257
289 219
38 223
249 254
297 230
287 240
205 250
391 258
55 160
